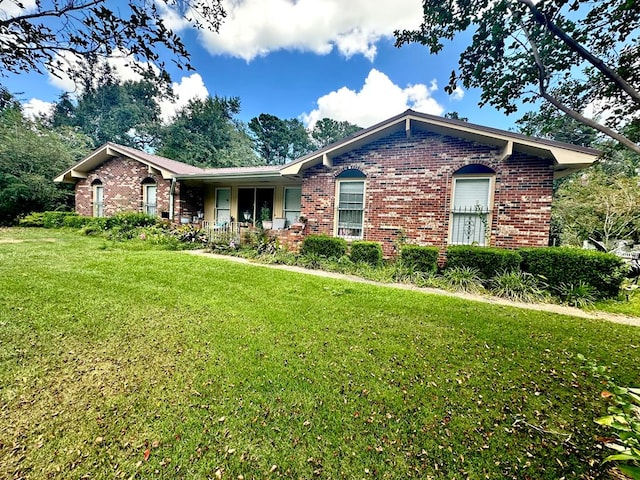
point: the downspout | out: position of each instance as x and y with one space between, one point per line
171 198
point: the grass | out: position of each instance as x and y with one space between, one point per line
131 363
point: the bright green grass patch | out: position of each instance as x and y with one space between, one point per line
155 364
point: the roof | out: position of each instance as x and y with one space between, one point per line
566 157
167 167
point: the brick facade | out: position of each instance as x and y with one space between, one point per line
122 179
408 189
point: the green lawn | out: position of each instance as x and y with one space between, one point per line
130 363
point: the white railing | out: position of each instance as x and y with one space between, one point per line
226 232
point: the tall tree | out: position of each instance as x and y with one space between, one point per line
327 131
125 113
279 141
204 133
555 51
31 155
41 35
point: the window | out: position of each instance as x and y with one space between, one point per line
470 215
292 204
223 205
98 198
350 208
150 198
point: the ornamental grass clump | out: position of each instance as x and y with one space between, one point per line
462 279
517 286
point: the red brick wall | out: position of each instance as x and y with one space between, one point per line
122 181
409 186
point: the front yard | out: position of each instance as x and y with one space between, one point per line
120 363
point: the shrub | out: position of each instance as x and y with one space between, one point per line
419 259
323 246
517 286
569 266
488 261
55 219
366 252
576 295
76 221
462 279
129 220
34 219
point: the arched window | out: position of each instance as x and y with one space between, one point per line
350 204
473 186
149 196
97 194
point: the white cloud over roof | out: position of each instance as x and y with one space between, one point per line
378 99
256 27
36 108
188 88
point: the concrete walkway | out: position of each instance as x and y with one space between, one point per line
544 307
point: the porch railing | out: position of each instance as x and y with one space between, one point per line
226 232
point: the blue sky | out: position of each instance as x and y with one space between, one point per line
307 59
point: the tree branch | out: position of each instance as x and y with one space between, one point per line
542 84
50 13
541 19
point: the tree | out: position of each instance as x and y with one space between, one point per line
279 141
44 36
204 133
598 207
563 52
328 131
31 155
125 113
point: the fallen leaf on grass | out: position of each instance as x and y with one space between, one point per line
147 452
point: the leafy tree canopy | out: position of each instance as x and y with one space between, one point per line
563 52
328 131
50 34
204 133
279 141
31 155
109 111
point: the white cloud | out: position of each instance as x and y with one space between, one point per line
256 27
12 8
378 99
189 88
457 94
35 108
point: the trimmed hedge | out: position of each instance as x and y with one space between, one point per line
56 219
76 221
324 246
488 261
366 252
34 219
419 259
570 266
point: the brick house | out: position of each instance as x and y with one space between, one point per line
431 180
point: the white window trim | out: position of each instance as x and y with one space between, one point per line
145 203
217 209
284 202
98 207
336 210
489 213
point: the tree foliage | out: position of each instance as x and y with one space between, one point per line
47 35
31 155
328 131
204 133
563 52
279 141
598 207
108 110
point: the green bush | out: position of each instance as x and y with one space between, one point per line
128 220
571 266
56 219
366 252
34 219
419 259
462 279
488 261
323 246
518 286
75 221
